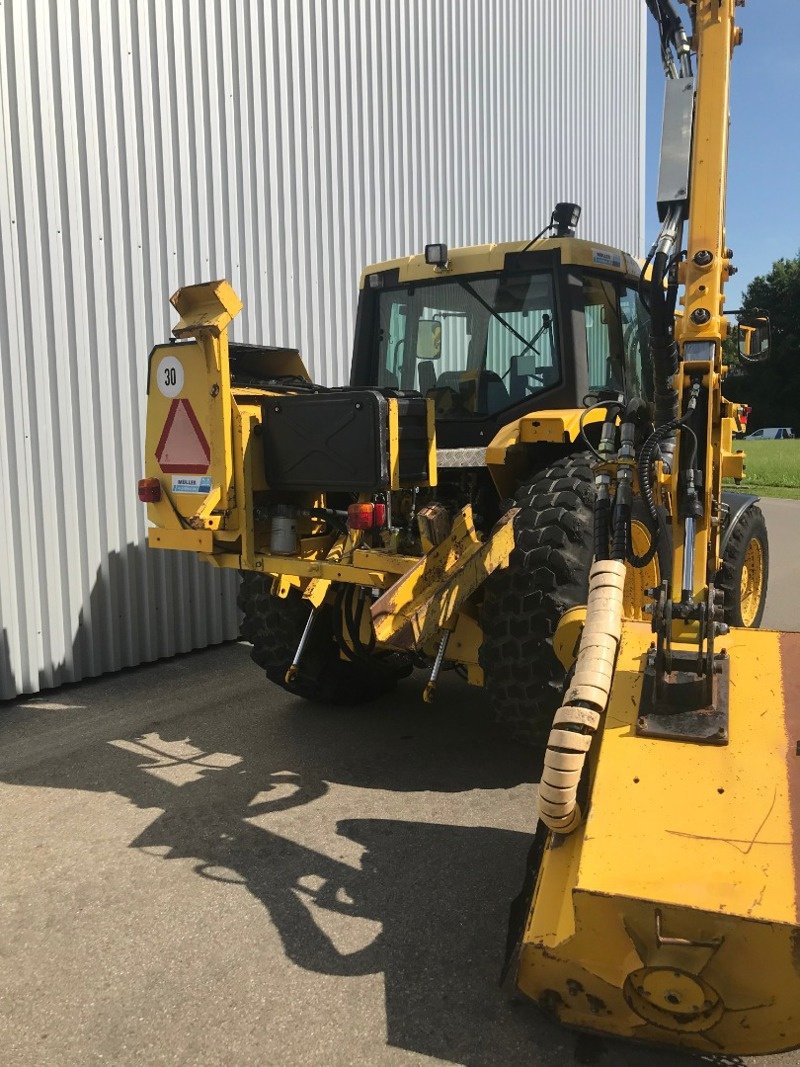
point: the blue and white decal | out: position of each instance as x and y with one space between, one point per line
186 483
606 259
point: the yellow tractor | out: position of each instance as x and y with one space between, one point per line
439 510
523 482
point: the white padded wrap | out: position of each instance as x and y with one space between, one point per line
585 701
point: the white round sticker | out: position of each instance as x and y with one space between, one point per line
169 376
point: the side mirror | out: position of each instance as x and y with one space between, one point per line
754 336
429 339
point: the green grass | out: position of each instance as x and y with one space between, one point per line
772 468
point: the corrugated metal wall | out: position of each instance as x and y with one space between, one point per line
280 143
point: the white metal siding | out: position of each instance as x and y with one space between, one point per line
282 144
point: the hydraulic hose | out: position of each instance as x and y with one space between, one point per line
585 701
663 349
602 526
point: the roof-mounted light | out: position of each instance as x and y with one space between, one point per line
565 218
436 255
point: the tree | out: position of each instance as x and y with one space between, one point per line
773 387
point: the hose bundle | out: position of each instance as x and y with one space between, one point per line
585 700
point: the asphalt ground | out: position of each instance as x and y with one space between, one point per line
197 868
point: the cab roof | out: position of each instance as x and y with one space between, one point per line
483 259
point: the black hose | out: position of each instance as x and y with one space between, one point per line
602 522
622 530
656 527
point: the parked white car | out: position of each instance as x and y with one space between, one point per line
771 433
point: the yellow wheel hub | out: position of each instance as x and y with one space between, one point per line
752 583
636 581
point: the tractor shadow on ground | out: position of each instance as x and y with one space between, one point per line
438 894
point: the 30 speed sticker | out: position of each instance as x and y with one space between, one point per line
169 376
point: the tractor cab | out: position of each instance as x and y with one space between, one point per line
494 332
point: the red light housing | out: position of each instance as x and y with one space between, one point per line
380 516
149 490
361 516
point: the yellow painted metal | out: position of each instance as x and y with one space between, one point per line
185 540
568 635
752 582
206 310
209 306
433 473
394 444
560 426
201 365
466 641
557 426
491 257
672 914
428 596
387 562
242 521
554 426
282 585
714 38
306 568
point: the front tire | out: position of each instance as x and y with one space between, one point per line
744 573
274 626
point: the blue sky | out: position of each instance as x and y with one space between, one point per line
763 215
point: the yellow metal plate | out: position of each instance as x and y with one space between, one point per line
722 807
186 540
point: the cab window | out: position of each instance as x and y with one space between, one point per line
617 332
476 345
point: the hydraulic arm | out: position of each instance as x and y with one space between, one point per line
665 877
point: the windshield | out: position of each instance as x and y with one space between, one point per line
476 345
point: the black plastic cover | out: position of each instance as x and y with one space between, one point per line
413 432
332 441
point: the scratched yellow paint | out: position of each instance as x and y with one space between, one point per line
695 824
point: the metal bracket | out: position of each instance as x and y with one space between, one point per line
682 942
673 708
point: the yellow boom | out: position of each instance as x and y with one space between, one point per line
664 886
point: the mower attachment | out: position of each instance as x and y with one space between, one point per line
671 915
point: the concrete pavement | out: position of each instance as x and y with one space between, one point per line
783 531
197 868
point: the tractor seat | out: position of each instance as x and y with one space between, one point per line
526 378
492 393
426 375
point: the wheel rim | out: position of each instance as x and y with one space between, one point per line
637 580
752 582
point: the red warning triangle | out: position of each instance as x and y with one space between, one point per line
183 448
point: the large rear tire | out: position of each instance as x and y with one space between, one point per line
548 573
274 626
